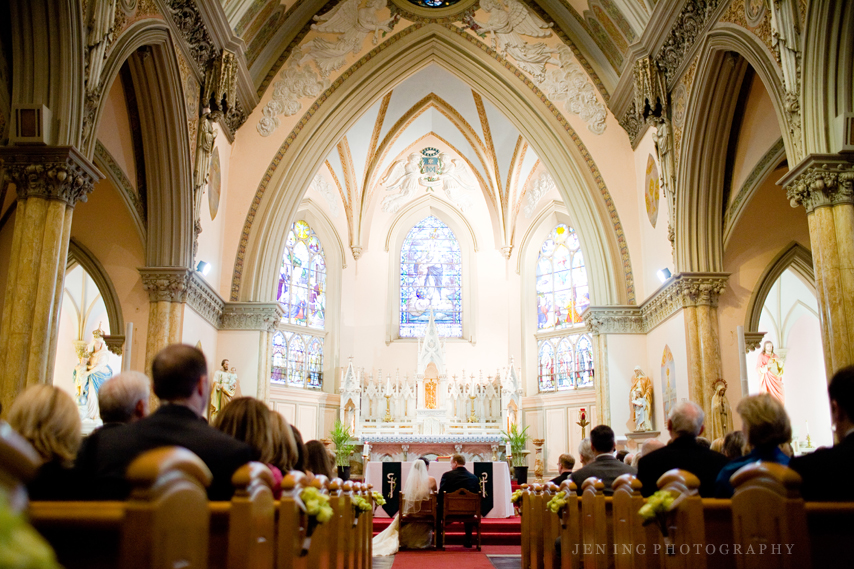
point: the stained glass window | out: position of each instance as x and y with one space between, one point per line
562 291
565 362
431 278
302 278
297 357
433 3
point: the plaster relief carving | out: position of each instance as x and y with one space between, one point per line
452 175
322 187
688 28
541 187
295 83
571 85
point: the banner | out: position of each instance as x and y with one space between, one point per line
483 472
391 487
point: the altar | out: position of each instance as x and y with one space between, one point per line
501 506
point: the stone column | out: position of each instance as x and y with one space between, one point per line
49 181
822 184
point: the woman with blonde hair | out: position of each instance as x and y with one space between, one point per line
48 418
249 420
766 425
284 445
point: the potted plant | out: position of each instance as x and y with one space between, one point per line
518 440
340 436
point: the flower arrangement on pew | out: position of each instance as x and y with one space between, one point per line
378 499
20 544
656 510
514 499
360 505
557 503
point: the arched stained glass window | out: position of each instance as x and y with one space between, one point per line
562 292
280 349
431 278
565 364
547 367
584 357
302 278
296 360
314 375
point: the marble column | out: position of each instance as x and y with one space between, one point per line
49 181
600 380
823 185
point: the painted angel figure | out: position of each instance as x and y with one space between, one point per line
404 177
456 179
354 24
507 25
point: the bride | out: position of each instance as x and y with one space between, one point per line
414 536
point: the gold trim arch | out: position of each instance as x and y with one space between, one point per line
495 80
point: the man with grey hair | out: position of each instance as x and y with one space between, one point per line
585 451
685 424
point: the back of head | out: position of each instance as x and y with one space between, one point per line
284 446
621 455
718 445
248 420
734 443
567 461
119 396
650 446
585 450
317 459
176 371
841 390
302 452
426 462
704 442
602 438
686 419
48 418
764 421
459 459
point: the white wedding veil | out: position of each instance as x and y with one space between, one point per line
416 489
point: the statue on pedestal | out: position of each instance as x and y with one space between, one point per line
769 367
721 420
640 400
92 370
224 388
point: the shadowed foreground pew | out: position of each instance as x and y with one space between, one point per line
19 462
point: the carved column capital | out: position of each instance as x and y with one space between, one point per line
169 284
699 289
820 180
50 172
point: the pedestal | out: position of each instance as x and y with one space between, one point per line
637 438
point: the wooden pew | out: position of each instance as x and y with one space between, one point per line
291 526
251 530
686 527
594 526
570 527
551 528
524 505
631 537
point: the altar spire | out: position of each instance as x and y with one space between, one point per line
431 349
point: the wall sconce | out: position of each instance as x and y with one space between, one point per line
664 274
203 268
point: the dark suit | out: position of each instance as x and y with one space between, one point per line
684 453
817 468
561 477
452 481
605 467
115 448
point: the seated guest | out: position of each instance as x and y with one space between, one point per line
815 468
585 451
621 455
455 479
734 443
122 399
248 420
683 451
629 458
300 463
180 377
284 445
646 448
767 426
48 419
718 445
565 463
704 442
318 461
604 466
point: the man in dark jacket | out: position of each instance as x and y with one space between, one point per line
604 466
683 451
456 478
565 464
817 468
181 382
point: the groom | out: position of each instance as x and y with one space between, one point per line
458 477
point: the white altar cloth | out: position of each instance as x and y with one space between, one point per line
501 508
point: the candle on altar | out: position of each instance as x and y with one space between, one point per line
583 414
507 449
388 385
807 423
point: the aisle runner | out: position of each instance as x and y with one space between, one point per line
483 471
391 487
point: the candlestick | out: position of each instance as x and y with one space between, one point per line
388 386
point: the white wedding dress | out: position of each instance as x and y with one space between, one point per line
414 536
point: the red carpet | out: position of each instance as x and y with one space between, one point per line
453 557
494 531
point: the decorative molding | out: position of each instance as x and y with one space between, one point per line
169 284
682 290
187 18
633 125
115 343
202 298
50 172
689 27
820 180
261 316
753 341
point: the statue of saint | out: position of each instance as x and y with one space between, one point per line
769 367
640 400
721 420
224 388
90 374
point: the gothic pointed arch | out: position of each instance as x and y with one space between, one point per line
80 255
302 155
794 256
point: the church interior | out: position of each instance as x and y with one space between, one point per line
433 219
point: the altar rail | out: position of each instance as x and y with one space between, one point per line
765 525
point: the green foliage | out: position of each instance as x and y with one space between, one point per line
341 436
518 440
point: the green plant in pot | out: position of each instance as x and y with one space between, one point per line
518 439
341 436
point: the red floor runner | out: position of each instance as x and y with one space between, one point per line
453 557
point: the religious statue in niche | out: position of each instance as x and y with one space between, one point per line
769 367
721 420
640 399
92 370
224 388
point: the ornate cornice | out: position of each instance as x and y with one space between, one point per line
690 25
820 180
202 298
753 341
263 316
168 284
682 290
187 18
51 172
115 343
